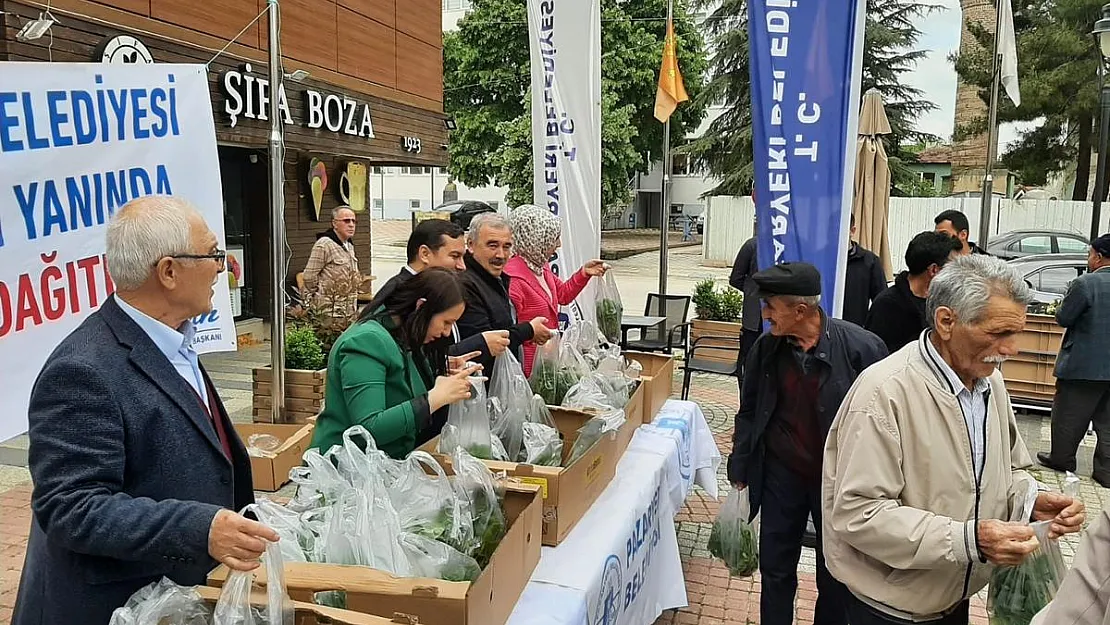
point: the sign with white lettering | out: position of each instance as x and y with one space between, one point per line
411 144
77 142
247 95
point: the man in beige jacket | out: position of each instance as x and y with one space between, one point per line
1084 597
924 485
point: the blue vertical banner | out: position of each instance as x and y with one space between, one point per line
806 63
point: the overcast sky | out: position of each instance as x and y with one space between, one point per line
936 76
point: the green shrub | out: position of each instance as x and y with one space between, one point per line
302 349
713 304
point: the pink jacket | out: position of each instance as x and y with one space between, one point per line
531 301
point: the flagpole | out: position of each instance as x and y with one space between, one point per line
665 208
987 192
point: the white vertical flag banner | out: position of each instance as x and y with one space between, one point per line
565 43
77 141
1007 47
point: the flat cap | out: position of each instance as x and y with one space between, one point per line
800 279
1102 245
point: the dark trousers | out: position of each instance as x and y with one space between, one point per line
747 340
859 613
1078 403
786 506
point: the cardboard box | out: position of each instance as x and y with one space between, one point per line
568 492
658 377
271 474
310 614
489 600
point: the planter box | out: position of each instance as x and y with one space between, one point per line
1029 374
658 380
304 394
270 474
731 339
489 600
311 614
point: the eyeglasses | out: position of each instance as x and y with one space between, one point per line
349 220
219 256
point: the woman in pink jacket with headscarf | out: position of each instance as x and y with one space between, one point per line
534 289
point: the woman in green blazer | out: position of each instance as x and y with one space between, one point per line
381 368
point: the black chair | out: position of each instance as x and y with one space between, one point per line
669 335
717 346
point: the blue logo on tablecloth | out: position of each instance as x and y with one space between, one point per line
682 426
610 597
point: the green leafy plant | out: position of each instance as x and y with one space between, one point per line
738 545
551 382
609 313
303 350
1017 593
717 304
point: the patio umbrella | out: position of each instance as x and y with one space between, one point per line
872 192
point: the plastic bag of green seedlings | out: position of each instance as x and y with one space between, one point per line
1017 593
734 539
609 308
557 368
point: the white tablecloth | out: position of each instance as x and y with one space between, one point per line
620 565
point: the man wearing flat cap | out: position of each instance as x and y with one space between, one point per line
1083 368
796 377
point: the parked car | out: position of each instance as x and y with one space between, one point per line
1020 243
463 211
1050 274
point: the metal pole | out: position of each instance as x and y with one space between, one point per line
277 223
665 208
987 192
1100 173
433 189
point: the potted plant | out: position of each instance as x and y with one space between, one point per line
314 326
718 311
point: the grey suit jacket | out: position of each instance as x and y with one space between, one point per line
128 473
1085 312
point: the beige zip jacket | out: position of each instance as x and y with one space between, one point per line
1084 597
900 499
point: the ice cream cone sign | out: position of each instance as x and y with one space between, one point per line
317 181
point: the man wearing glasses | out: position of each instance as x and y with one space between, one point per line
331 274
137 469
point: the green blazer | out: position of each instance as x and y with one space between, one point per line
372 382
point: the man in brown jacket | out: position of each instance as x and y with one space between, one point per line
333 261
924 484
1084 596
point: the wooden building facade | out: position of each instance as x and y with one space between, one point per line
373 95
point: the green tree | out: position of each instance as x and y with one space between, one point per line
486 90
890 35
1057 70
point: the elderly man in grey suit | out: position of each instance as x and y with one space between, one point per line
1083 368
137 469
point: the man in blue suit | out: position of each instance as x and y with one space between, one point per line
137 469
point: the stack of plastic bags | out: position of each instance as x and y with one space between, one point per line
166 603
356 506
519 419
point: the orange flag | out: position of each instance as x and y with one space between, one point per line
671 91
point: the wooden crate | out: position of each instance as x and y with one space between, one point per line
1029 374
702 328
304 394
1041 335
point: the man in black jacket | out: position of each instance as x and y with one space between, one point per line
486 289
439 243
864 280
955 224
898 314
745 266
796 377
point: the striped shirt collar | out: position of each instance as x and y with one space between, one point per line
944 372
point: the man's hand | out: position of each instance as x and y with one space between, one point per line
497 341
455 364
237 541
542 333
595 268
739 485
1006 543
1067 514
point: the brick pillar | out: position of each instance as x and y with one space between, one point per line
969 157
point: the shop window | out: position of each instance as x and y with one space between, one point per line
495 205
443 171
680 165
416 171
379 203
414 204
